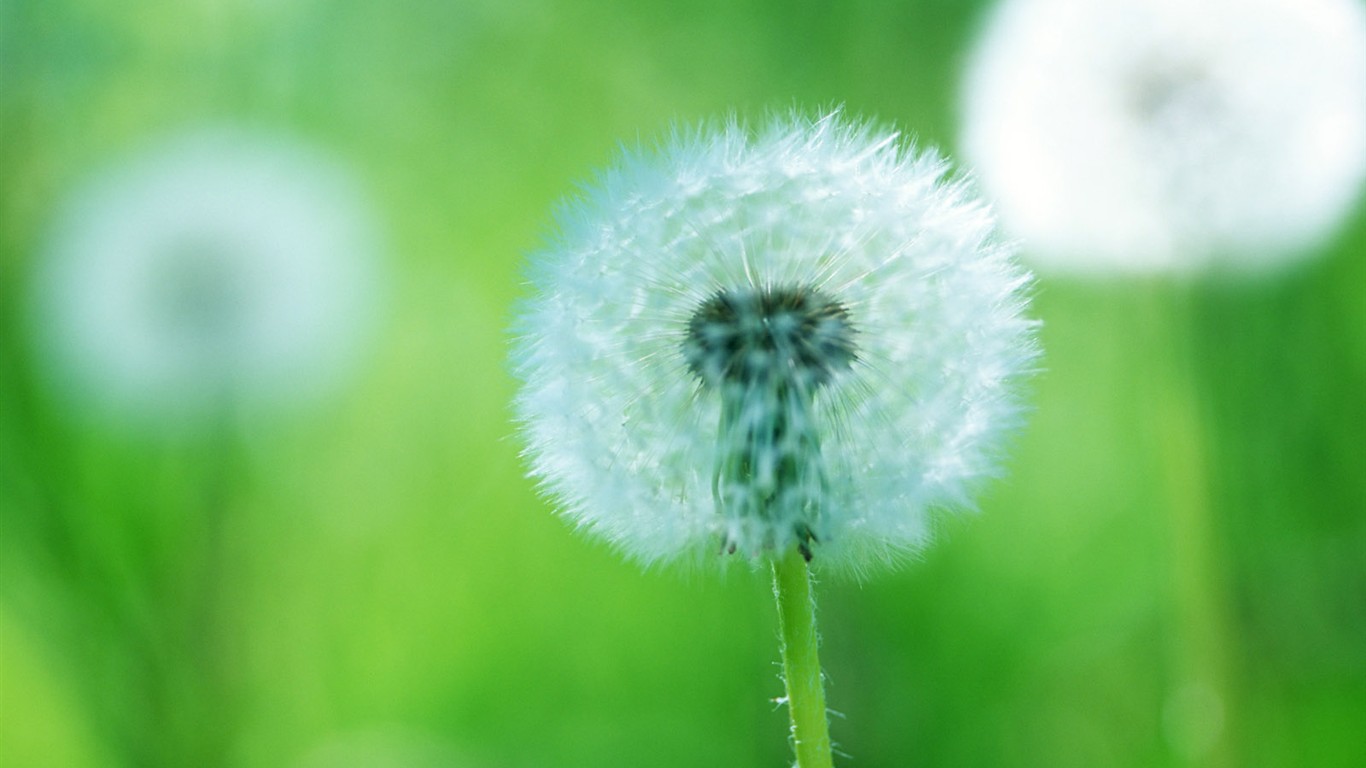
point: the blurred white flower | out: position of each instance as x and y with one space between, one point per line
221 269
749 341
1169 135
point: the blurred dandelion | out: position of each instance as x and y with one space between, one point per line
1174 138
805 336
792 344
219 272
1169 135
221 268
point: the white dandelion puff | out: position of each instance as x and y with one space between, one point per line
748 341
1169 135
220 269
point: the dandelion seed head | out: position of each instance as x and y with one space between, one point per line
1169 135
746 340
217 269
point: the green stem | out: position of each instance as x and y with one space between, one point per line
1201 695
801 661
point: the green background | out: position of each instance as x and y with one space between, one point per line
1172 572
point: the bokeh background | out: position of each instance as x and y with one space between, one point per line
1173 571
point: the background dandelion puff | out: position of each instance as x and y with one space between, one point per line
1169 135
218 269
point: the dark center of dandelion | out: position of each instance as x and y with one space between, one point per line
767 351
1171 94
770 336
200 294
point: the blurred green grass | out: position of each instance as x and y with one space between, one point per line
386 568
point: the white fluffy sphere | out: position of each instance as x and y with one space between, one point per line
217 270
747 340
1169 135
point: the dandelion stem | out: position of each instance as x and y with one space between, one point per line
1201 703
801 661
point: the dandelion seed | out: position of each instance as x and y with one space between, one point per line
1169 135
218 269
804 336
